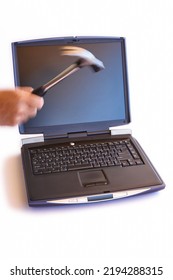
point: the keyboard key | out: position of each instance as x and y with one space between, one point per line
80 166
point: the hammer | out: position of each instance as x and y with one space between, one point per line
85 58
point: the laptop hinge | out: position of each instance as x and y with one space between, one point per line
85 133
78 134
34 139
42 138
116 131
68 135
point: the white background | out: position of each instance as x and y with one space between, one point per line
137 231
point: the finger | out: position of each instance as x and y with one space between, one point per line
32 100
30 112
25 114
23 89
36 102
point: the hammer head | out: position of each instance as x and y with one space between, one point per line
86 58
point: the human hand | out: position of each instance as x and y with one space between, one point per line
18 105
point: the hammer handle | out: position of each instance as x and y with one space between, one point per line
41 91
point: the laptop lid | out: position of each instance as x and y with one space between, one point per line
85 101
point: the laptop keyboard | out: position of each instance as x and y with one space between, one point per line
56 158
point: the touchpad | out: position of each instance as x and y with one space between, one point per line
92 178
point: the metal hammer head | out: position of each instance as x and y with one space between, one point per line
86 58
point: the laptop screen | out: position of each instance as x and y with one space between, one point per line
84 101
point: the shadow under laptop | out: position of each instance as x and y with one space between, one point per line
17 197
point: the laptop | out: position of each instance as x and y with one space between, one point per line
76 149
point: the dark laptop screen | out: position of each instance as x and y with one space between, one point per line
86 100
